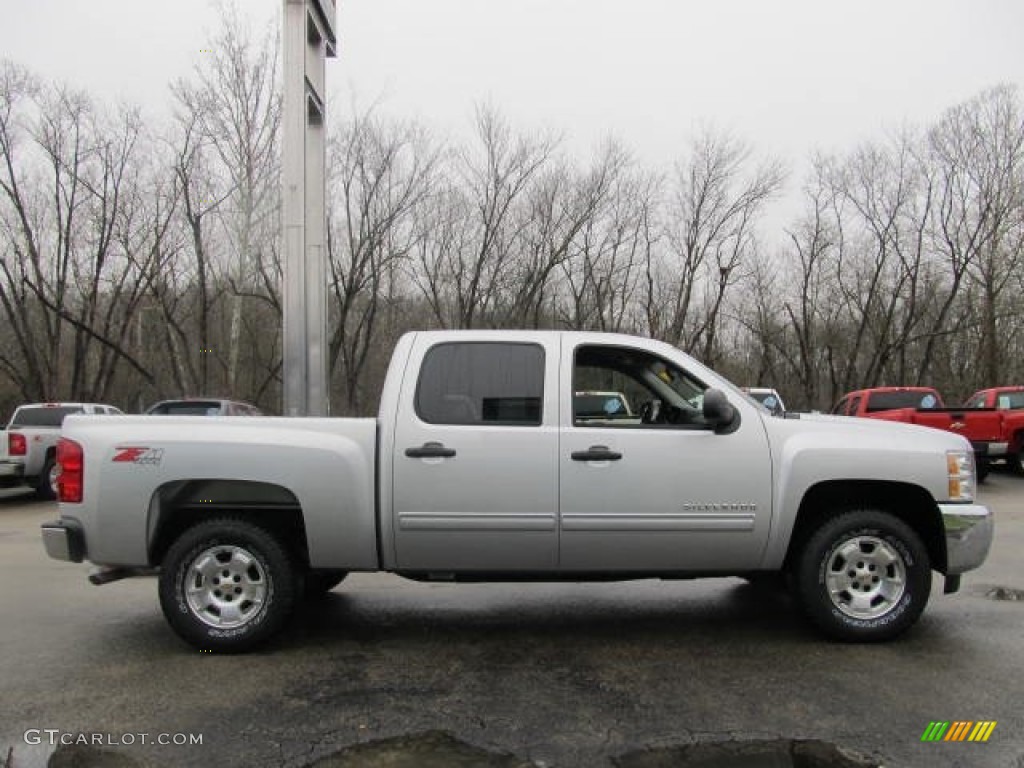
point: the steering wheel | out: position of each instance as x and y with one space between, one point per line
671 414
650 412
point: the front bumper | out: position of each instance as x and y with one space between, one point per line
63 540
969 529
986 450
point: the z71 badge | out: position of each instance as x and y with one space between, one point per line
124 454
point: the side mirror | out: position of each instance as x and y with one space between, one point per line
719 413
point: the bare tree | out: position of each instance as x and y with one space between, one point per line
603 277
979 150
227 147
71 213
477 221
379 174
710 225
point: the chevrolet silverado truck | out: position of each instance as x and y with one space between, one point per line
31 444
1009 401
479 468
923 406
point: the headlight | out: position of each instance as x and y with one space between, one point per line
960 469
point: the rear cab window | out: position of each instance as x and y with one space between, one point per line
1010 401
890 401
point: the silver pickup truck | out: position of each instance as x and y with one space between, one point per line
481 467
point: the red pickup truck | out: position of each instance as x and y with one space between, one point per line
1009 401
923 406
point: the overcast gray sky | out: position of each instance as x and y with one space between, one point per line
790 76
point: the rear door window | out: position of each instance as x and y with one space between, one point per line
485 383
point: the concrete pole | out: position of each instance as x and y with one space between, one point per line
308 38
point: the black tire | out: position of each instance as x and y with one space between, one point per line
319 583
1015 463
863 576
243 585
983 468
44 484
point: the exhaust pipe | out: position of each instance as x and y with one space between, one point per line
106 575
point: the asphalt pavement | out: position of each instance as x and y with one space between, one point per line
387 672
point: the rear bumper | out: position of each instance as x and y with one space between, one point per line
63 540
969 529
12 473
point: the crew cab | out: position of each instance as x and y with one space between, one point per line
484 463
923 406
1009 401
31 444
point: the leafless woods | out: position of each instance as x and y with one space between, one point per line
139 261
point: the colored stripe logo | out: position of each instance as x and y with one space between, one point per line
959 730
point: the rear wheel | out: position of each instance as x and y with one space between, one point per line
227 585
46 485
863 576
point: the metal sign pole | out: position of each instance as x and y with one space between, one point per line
308 33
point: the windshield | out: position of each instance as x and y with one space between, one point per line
186 408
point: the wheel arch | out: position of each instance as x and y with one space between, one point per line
180 505
909 503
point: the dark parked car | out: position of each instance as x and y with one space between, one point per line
203 406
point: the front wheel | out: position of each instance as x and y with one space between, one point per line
863 576
1015 461
227 585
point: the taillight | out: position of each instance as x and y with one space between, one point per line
17 445
71 460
